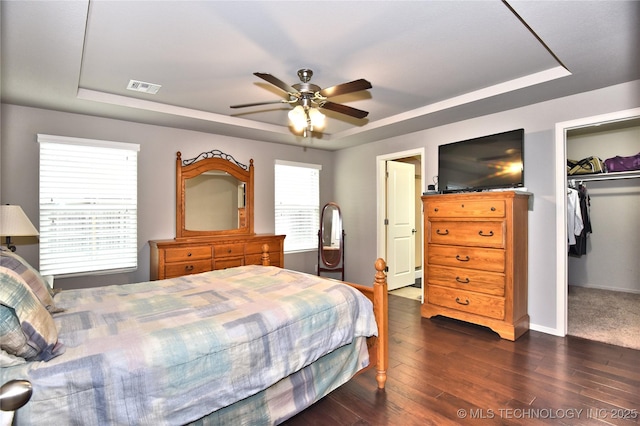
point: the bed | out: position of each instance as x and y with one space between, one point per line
253 344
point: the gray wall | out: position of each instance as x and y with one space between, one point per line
613 249
156 176
348 177
358 198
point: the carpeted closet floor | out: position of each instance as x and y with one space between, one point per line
605 316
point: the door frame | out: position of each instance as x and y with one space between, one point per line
381 160
562 268
399 273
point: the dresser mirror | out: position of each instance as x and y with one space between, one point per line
331 240
214 196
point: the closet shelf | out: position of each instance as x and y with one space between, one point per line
606 176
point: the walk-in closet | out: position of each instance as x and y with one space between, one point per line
604 264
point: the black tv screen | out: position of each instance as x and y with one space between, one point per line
487 162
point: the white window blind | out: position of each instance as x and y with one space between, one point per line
88 206
297 204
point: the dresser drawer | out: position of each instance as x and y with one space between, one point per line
477 234
172 270
462 257
466 301
228 250
256 259
172 258
256 248
465 208
467 279
182 254
276 259
231 262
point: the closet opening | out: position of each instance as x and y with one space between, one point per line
601 285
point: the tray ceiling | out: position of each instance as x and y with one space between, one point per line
430 63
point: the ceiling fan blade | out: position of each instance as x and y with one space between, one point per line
344 88
346 110
259 103
275 81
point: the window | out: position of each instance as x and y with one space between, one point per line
297 204
88 206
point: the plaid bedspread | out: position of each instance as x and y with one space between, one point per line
173 351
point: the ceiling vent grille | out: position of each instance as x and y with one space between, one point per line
141 86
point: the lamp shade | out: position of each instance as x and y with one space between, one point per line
316 118
15 223
298 118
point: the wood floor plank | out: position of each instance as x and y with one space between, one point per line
448 372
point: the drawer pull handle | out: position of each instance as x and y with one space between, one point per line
465 281
466 302
482 234
435 210
466 258
189 254
446 232
188 268
493 209
229 251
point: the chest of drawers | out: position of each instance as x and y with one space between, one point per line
475 259
174 258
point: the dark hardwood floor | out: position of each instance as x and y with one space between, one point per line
445 372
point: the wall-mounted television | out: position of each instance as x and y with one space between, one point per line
484 163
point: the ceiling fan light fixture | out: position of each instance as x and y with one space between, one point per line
305 116
299 127
316 118
298 118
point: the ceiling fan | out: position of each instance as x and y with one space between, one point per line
308 98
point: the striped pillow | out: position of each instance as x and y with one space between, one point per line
32 277
27 329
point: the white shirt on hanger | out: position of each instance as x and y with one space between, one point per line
574 215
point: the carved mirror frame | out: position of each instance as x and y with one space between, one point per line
213 161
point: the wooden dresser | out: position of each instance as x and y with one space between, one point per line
475 259
174 258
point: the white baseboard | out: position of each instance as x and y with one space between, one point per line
418 273
546 330
609 288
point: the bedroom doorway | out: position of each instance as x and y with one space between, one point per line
411 211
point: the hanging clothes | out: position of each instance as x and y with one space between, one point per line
574 216
580 247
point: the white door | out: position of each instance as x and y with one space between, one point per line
400 224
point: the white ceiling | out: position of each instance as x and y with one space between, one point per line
430 62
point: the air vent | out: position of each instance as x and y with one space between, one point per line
141 86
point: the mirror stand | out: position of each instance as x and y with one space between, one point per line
331 241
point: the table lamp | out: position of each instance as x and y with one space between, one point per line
15 223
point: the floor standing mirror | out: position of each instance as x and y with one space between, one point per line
331 240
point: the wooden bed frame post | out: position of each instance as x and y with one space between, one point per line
380 299
266 260
381 312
